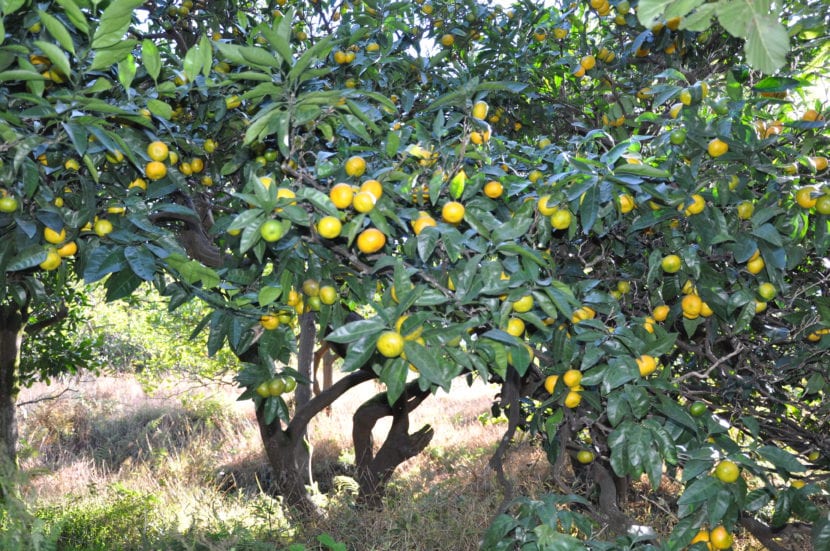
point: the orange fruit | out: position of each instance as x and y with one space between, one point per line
68 249
804 197
544 207
157 151
524 304
572 378
691 305
453 212
515 327
329 227
51 236
371 240
447 40
364 201
745 210
697 205
646 364
422 222
372 186
701 536
572 399
53 260
755 266
588 62
341 195
197 164
561 219
584 456
627 203
390 344
493 189
102 227
661 312
355 166
819 163
480 109
717 147
727 471
671 263
550 383
823 204
269 321
155 170
328 294
720 538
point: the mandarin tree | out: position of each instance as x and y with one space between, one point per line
614 147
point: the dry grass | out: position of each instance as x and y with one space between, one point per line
185 470
200 459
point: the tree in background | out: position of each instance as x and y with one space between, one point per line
624 226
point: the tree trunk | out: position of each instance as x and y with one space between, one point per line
11 335
375 470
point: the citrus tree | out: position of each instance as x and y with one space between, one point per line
624 226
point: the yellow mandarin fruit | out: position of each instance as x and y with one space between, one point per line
341 195
627 203
646 364
52 261
550 383
493 189
51 236
572 399
691 305
720 538
422 222
372 186
355 166
717 147
515 327
371 240
69 249
572 378
390 344
804 197
158 151
480 109
155 170
561 219
755 266
452 212
329 227
363 202
661 312
544 206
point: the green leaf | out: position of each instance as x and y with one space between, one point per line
783 461
821 532
75 15
268 294
58 32
151 59
27 258
141 261
121 285
56 56
114 23
126 71
767 43
160 108
20 74
258 57
355 330
106 57
192 64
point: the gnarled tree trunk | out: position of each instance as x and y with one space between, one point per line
375 469
12 323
